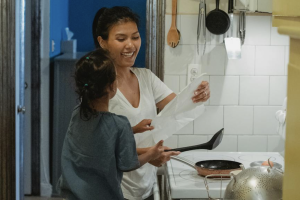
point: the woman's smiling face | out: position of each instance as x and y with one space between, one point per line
123 43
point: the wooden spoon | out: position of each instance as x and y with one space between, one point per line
173 34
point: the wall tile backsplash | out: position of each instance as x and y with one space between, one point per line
245 93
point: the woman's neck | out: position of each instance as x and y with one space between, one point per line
101 104
124 73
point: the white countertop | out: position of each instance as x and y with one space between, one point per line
184 181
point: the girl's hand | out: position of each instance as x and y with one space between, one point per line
144 125
156 150
202 93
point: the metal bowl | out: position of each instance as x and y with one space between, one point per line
258 163
256 183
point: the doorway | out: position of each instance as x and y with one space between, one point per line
44 46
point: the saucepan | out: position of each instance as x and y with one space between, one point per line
209 167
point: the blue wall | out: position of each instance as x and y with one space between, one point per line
81 15
59 19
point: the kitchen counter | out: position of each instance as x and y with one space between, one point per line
183 181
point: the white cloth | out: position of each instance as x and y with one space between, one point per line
138 184
281 116
178 113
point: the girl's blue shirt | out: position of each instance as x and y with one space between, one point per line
95 154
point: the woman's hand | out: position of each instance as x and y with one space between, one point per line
164 157
202 93
144 125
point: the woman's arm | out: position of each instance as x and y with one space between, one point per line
160 105
144 125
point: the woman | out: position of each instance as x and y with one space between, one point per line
139 92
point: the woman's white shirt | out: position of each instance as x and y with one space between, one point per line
138 184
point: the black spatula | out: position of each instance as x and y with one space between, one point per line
211 144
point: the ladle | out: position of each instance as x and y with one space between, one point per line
211 144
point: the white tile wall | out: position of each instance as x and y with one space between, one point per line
277 39
258 30
216 39
244 66
213 62
186 130
286 59
265 122
210 122
252 143
171 142
183 82
254 90
229 143
245 93
189 140
224 90
269 60
177 59
275 143
278 89
173 82
189 32
238 120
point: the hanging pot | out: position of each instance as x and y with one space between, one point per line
217 21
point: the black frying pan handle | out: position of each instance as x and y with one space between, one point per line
230 6
217 4
199 146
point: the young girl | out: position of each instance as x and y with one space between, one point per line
99 146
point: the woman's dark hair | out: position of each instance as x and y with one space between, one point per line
94 73
105 18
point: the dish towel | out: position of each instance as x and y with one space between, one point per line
281 116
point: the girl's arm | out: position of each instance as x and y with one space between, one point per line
152 153
141 151
162 159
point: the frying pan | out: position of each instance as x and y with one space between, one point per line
217 21
211 144
209 167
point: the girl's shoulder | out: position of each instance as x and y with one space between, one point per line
120 120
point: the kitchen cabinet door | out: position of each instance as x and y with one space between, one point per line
286 16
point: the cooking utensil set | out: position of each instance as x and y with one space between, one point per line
173 36
232 44
201 24
217 21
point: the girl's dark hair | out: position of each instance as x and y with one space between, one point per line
105 18
94 73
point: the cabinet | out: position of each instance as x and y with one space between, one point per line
286 16
191 7
64 100
254 5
